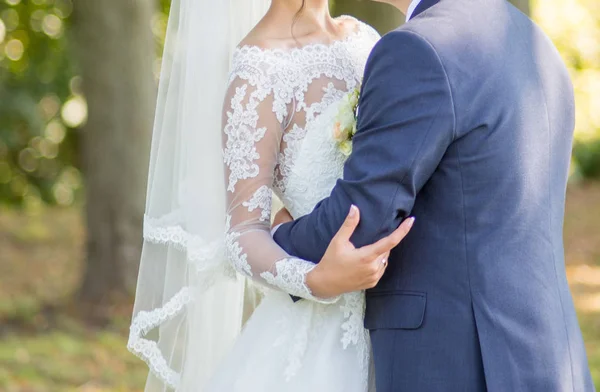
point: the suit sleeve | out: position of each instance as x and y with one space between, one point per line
406 122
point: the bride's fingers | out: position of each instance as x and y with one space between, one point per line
377 268
383 264
379 265
388 243
382 260
349 225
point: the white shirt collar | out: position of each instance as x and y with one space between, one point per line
411 8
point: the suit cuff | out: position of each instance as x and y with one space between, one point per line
274 229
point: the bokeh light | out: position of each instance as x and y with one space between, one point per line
14 49
35 20
28 159
10 18
50 105
2 31
55 131
75 85
48 149
63 8
74 111
63 194
52 25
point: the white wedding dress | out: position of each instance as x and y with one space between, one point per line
278 138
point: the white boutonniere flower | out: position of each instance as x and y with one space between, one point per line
344 127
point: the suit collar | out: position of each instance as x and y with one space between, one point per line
423 6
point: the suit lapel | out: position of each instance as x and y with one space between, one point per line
424 5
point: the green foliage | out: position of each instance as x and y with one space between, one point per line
574 27
40 107
587 156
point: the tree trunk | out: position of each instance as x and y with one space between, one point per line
523 5
116 52
383 17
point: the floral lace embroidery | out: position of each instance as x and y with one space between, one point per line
293 141
286 75
242 135
353 308
331 95
297 351
261 199
148 350
355 334
290 277
202 255
296 341
235 254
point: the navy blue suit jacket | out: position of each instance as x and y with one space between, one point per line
465 121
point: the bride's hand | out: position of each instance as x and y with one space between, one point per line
282 216
344 268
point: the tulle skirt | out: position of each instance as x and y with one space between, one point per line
299 347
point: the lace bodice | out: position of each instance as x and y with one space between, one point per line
278 122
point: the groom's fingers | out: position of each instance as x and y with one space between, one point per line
388 243
349 225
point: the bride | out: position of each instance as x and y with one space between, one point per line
207 224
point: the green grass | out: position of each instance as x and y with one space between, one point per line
45 345
65 360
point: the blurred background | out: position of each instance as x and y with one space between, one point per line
77 87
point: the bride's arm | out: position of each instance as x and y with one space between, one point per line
252 134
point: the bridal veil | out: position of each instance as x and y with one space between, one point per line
189 304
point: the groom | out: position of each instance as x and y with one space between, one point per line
465 121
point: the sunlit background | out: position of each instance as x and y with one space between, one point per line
65 293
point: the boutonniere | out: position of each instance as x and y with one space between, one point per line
344 127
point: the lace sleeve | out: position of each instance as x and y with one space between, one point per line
253 129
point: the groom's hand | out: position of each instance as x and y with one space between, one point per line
345 268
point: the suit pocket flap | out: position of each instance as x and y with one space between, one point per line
395 310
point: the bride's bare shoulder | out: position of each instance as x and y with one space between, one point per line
267 35
256 38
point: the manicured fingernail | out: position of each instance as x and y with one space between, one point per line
353 210
411 220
